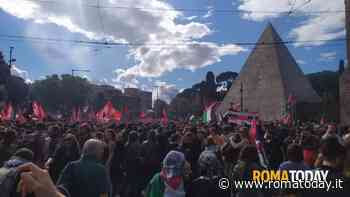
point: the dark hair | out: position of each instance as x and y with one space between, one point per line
54 131
210 140
295 153
24 153
9 136
249 154
132 137
112 133
331 148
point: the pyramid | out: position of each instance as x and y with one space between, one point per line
269 76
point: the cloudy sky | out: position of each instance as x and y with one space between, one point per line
168 43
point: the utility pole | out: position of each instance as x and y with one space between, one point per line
157 95
79 70
157 91
11 59
344 80
241 90
347 27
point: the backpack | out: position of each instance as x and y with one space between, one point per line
8 181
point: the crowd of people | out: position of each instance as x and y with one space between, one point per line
180 159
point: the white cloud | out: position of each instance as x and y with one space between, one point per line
328 56
190 18
301 62
153 62
16 71
209 13
323 26
166 91
131 26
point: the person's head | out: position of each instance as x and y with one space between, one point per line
175 139
94 148
331 129
187 138
244 132
331 149
209 164
249 154
23 154
295 153
9 136
152 136
201 136
133 137
54 131
210 141
70 141
109 135
174 164
100 136
84 128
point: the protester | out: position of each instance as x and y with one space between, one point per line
122 160
332 155
7 147
248 161
66 152
210 171
87 177
294 159
133 166
170 181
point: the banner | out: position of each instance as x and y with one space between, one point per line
6 113
38 111
289 116
207 114
20 118
165 119
240 118
108 113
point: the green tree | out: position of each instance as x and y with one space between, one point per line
61 93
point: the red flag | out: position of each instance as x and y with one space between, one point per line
38 111
75 115
126 114
142 115
165 119
287 120
117 116
108 113
291 100
92 116
126 110
322 121
7 112
20 118
252 133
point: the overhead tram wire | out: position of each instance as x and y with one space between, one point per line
198 10
86 42
99 50
292 5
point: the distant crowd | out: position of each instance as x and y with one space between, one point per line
60 159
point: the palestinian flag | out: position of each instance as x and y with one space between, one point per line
208 113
